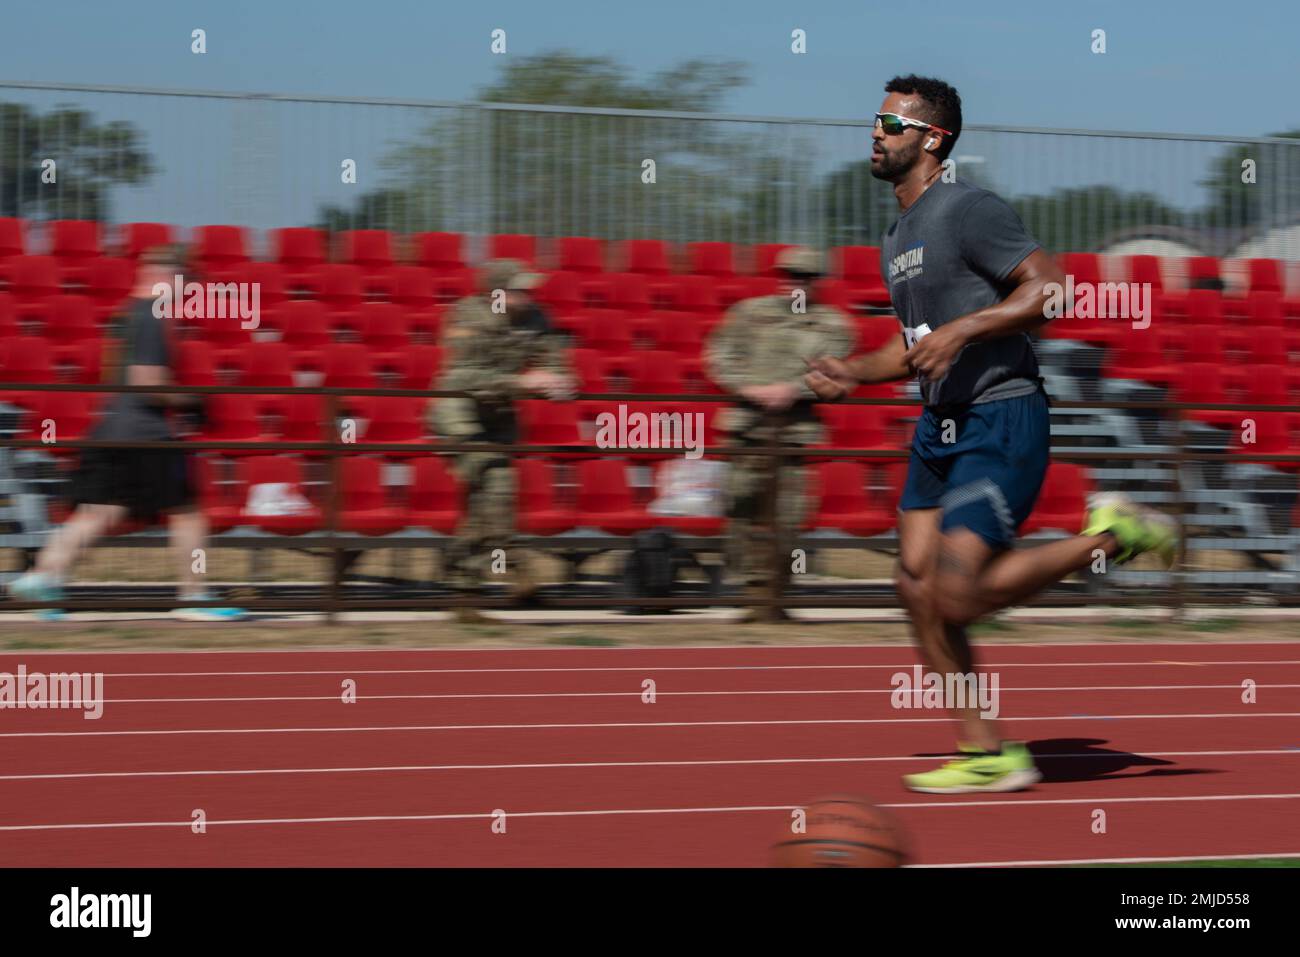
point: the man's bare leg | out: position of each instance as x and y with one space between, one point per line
944 647
188 529
973 580
84 527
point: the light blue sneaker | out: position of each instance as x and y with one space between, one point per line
37 586
207 614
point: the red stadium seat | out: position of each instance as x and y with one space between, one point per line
646 256
412 287
854 427
298 247
581 254
1203 383
1063 500
1084 267
112 280
303 324
423 365
222 494
1138 356
450 286
657 372
859 268
589 366
605 330
629 292
234 419
12 242
765 259
338 286
135 238
1265 275
74 239
365 507
424 326
367 247
218 246
286 470
550 423
397 420
435 496
710 259
384 326
33 279
269 366
348 366
846 502
25 359
562 292
605 499
513 246
194 363
539 513
441 252
1202 269
60 417
71 318
1146 269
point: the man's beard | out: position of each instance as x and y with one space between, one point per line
894 165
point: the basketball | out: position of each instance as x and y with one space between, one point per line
843 831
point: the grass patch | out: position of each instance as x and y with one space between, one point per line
1138 624
1214 624
990 626
26 644
587 641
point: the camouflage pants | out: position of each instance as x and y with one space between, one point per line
749 542
489 519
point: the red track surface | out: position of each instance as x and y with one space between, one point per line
1155 735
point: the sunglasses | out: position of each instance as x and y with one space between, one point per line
893 124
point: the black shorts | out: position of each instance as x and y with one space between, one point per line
148 482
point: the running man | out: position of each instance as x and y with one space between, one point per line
968 283
113 484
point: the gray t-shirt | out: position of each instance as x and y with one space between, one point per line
142 342
949 255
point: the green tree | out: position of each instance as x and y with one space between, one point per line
89 158
557 173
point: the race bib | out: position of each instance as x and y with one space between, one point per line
913 336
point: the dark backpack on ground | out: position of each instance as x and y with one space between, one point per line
652 566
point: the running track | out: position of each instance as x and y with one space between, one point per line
287 774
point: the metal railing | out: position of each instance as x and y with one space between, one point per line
190 158
1279 577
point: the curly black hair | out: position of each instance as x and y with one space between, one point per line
943 105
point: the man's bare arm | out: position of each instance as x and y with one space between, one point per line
1022 311
883 365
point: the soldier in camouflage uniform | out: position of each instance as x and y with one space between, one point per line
498 347
759 354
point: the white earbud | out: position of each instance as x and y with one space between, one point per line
929 144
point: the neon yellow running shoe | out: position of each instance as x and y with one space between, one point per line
1137 528
1011 770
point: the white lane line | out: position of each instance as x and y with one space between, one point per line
662 694
633 724
720 762
652 668
1113 860
602 812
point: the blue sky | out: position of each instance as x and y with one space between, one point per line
1171 65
